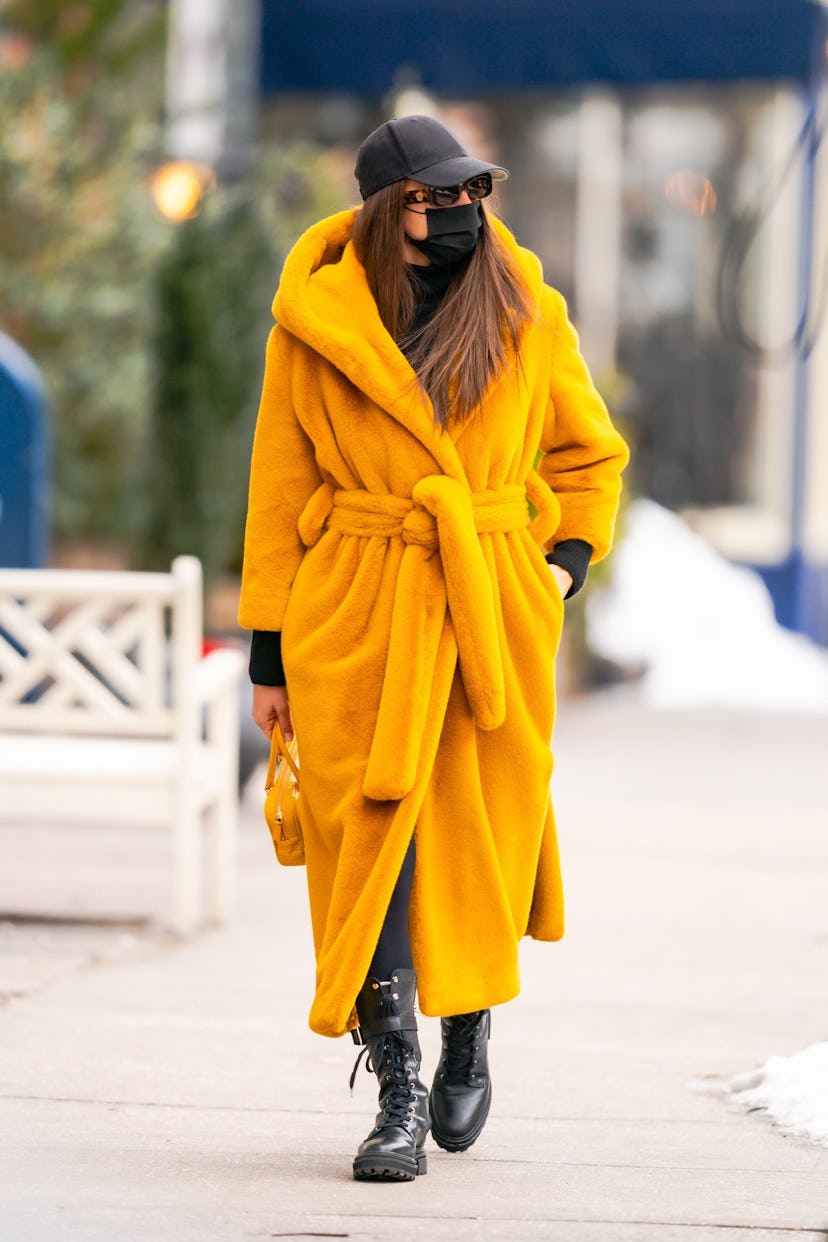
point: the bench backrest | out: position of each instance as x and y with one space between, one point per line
99 652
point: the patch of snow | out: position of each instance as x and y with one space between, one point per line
703 628
792 1090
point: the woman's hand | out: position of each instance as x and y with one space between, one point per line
563 579
269 704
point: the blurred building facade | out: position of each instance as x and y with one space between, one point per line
668 167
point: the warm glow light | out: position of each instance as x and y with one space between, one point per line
691 192
178 189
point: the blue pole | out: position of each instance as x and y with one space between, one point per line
800 619
25 453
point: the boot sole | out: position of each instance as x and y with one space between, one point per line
390 1168
462 1142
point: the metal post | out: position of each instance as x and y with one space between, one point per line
799 569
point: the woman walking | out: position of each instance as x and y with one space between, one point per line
407 606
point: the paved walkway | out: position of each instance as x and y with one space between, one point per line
164 1090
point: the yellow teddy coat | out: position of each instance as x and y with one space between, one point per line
420 622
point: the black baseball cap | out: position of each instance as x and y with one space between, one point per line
418 147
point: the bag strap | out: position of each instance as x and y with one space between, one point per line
278 749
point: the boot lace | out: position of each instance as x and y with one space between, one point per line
394 1055
460 1045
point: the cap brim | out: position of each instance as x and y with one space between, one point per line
458 168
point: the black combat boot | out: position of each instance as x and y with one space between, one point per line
393 1151
462 1090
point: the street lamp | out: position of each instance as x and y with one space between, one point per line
178 188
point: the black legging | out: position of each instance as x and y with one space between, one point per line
393 951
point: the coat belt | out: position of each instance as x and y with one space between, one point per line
442 516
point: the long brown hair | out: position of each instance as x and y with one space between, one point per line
468 341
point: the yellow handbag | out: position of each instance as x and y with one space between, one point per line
281 806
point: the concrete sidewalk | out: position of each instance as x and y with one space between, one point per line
155 1089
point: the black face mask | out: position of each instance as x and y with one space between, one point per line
452 233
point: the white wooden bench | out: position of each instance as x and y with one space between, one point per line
109 713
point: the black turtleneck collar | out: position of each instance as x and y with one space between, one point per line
430 284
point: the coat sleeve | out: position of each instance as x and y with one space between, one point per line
583 454
283 477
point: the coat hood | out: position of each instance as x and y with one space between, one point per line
324 300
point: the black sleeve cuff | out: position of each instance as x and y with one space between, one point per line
573 555
265 666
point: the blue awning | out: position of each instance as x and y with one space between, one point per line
461 48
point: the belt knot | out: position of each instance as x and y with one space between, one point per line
420 527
